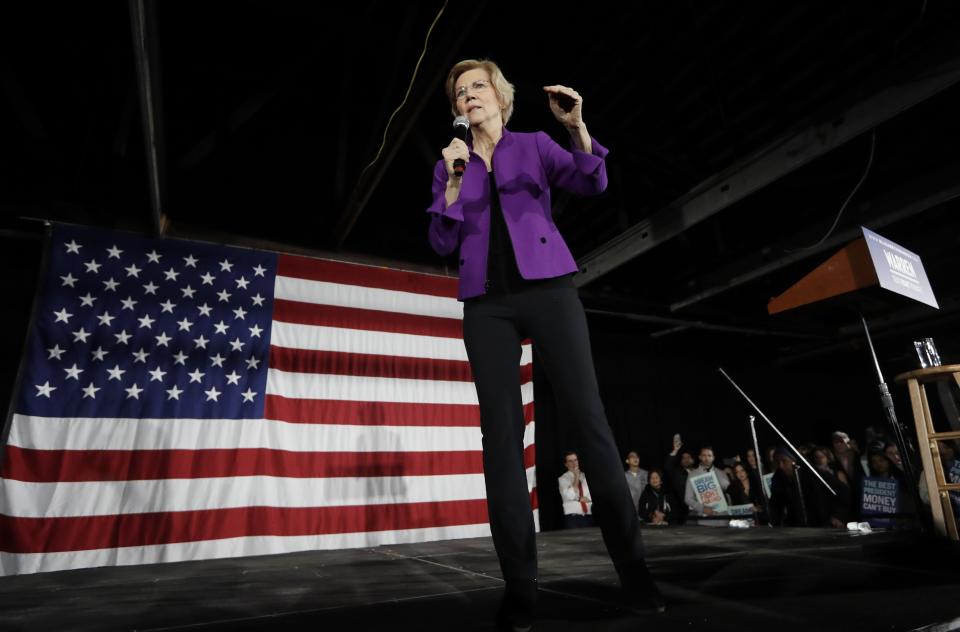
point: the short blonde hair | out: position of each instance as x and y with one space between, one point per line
501 86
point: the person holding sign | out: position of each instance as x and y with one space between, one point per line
694 495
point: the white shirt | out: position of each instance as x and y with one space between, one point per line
571 495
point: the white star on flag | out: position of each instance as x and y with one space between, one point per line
90 391
44 389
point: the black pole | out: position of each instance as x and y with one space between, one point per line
803 502
756 452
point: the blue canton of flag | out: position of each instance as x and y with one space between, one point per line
130 327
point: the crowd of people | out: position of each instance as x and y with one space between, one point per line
778 489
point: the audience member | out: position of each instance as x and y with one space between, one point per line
848 462
636 477
893 453
841 504
744 490
799 504
676 469
706 465
577 505
656 502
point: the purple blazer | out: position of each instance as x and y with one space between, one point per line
526 165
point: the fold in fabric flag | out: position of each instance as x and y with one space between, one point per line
182 400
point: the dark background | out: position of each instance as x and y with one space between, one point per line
267 112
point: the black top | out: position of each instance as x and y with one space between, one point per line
503 276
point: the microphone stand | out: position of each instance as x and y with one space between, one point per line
904 443
777 430
756 452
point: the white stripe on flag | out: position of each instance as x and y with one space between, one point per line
12 564
56 433
320 338
322 292
103 498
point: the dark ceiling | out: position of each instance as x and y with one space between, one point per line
737 130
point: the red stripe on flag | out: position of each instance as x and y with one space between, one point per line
375 365
44 535
51 466
367 319
365 276
362 413
368 365
530 455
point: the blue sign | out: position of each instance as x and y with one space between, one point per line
879 496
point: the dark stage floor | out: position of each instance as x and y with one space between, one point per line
713 578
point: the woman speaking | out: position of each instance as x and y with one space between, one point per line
516 282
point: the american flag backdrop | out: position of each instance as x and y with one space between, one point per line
182 400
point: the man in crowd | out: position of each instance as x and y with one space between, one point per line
577 505
636 477
706 465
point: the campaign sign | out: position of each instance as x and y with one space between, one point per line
708 491
879 496
898 269
767 482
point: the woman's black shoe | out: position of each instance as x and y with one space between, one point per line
639 589
516 612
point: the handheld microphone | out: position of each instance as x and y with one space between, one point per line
461 126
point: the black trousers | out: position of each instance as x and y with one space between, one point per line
554 319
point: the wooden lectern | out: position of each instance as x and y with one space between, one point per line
848 270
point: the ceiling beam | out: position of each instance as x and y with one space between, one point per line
143 27
764 167
699 324
921 196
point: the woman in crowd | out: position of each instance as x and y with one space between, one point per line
657 503
745 490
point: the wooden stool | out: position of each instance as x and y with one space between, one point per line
944 519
